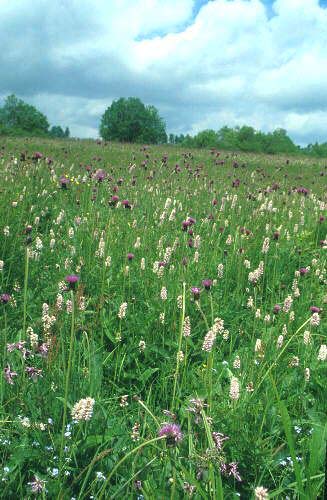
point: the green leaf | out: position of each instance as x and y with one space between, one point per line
144 377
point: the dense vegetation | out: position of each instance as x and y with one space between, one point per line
246 138
17 118
240 138
162 322
57 132
129 120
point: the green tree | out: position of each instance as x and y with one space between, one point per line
57 132
187 141
227 138
206 139
67 132
129 120
179 139
319 150
20 118
279 142
249 139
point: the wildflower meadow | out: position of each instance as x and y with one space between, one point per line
162 322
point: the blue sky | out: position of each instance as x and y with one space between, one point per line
203 64
267 3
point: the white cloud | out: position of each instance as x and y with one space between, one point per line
231 64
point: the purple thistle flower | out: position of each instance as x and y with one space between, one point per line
276 235
196 292
185 225
4 298
64 181
172 432
126 204
207 284
100 175
302 190
114 200
303 271
130 256
315 309
276 309
8 374
72 279
37 156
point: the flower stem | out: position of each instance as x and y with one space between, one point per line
150 441
25 293
71 345
179 348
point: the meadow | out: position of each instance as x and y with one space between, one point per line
162 322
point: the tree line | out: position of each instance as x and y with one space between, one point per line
248 139
17 118
130 120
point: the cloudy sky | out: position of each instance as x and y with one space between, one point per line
202 63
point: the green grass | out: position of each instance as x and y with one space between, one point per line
140 369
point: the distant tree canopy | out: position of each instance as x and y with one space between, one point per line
316 149
129 120
243 138
17 118
58 132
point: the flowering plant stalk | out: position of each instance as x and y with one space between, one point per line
139 447
25 293
179 347
217 489
67 380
